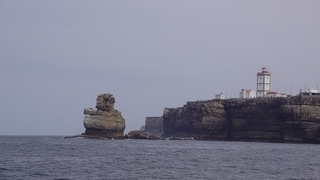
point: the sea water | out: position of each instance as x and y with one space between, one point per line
53 157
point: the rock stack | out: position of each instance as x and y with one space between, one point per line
105 121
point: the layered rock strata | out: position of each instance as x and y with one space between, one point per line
105 121
291 119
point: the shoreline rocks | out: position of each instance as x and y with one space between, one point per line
138 134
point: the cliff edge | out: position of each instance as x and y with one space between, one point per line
289 119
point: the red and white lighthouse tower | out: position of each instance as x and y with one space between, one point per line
263 82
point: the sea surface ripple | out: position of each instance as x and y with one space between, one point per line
53 157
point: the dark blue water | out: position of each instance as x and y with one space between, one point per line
31 157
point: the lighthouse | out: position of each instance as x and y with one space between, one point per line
263 82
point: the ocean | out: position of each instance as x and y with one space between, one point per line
56 158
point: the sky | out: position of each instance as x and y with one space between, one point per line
57 56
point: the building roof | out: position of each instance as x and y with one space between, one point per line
309 90
271 93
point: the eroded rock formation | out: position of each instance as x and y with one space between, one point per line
105 121
292 119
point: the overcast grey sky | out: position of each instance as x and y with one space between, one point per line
57 56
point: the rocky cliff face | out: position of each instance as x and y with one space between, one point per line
154 124
105 121
292 119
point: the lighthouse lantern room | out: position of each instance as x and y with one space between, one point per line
263 82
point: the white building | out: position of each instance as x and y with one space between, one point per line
247 93
263 82
309 92
275 94
220 96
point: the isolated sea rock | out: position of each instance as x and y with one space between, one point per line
104 121
289 119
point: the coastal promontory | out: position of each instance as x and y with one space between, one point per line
280 119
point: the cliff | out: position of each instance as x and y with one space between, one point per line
105 121
154 124
291 119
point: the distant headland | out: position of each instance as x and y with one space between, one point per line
254 116
281 119
263 116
